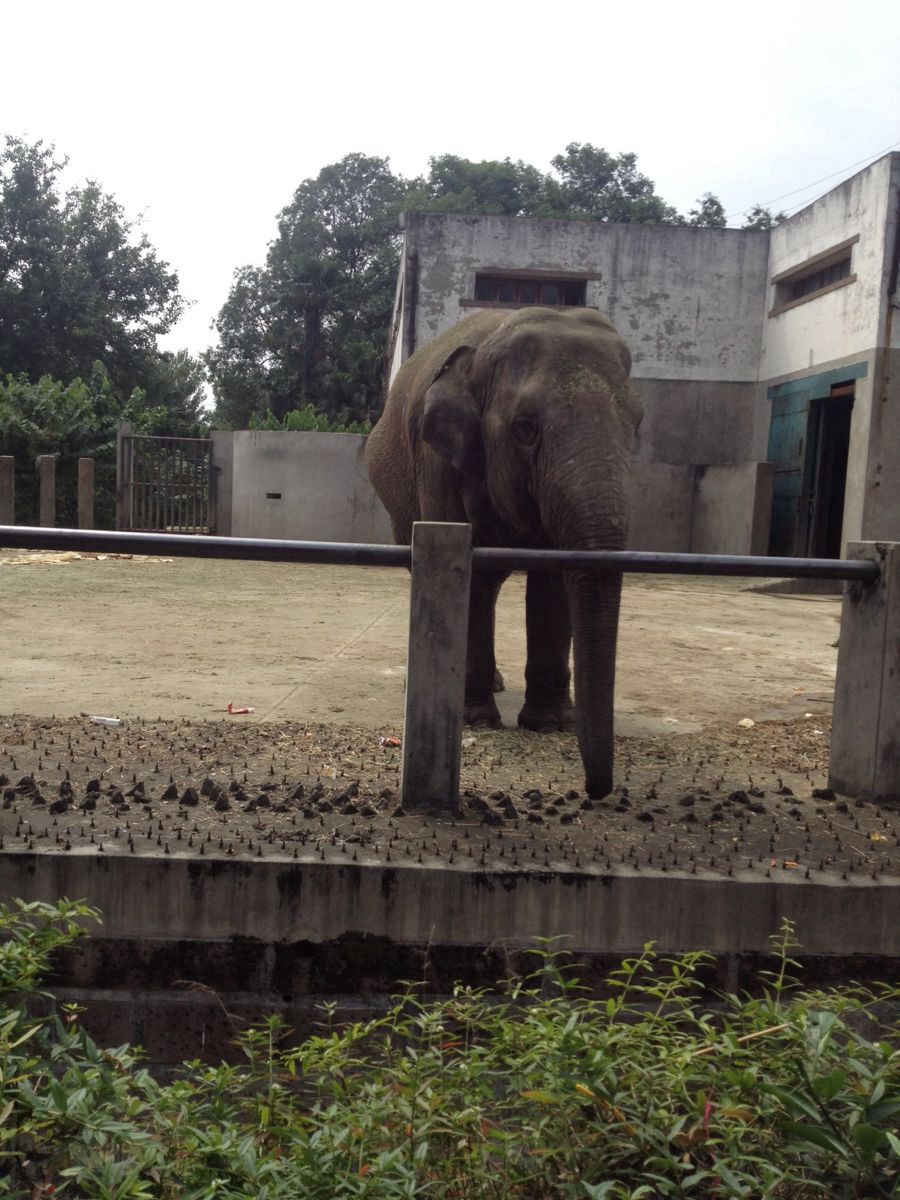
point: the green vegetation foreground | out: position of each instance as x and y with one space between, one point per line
541 1092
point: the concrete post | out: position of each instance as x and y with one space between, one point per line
85 493
124 461
46 466
436 666
7 490
865 740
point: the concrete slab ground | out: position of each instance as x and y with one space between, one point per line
151 637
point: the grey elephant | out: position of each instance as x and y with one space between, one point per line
522 423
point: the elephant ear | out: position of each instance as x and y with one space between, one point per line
451 426
450 421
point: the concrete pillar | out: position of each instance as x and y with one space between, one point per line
436 666
124 464
46 467
85 493
865 740
7 490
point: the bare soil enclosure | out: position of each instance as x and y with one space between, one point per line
723 717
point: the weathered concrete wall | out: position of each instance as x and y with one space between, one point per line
281 901
879 492
662 507
695 422
326 495
191 951
732 509
308 486
700 510
222 466
687 301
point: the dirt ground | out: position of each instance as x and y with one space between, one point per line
723 717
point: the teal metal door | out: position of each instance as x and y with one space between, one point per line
787 449
795 451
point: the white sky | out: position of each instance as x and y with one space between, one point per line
205 117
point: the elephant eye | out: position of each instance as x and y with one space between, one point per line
525 429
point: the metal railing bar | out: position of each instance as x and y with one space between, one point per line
363 554
179 545
663 563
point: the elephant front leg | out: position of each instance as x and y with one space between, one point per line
548 697
481 668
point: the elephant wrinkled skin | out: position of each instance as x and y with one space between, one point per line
521 423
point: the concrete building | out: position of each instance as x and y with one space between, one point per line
767 361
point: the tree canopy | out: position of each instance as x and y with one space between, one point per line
81 284
83 299
310 326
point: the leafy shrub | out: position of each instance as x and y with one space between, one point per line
307 420
545 1092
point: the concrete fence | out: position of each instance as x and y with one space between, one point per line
865 749
45 467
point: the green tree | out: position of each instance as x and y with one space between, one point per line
493 187
78 281
760 217
598 186
311 325
69 421
709 212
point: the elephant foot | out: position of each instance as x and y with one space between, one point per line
499 685
598 786
556 718
483 714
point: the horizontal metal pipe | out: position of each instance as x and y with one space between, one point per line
483 558
180 545
652 563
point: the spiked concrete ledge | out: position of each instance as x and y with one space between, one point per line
277 901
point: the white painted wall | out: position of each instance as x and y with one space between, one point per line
850 320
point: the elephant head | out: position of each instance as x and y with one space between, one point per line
536 418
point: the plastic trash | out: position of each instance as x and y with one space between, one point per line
468 741
106 720
389 741
234 710
746 723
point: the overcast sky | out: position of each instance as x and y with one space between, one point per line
204 117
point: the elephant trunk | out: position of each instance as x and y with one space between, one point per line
584 501
594 610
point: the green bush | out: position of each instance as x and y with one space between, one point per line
540 1092
307 420
69 421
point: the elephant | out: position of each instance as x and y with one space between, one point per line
521 423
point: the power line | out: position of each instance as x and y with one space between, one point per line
869 158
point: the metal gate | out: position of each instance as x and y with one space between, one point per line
164 484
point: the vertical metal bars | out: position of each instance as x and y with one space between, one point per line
166 484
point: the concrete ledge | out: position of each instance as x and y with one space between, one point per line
279 900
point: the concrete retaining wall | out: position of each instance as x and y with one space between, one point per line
701 510
732 509
191 951
279 901
314 486
308 486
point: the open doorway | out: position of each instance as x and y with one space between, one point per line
825 476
